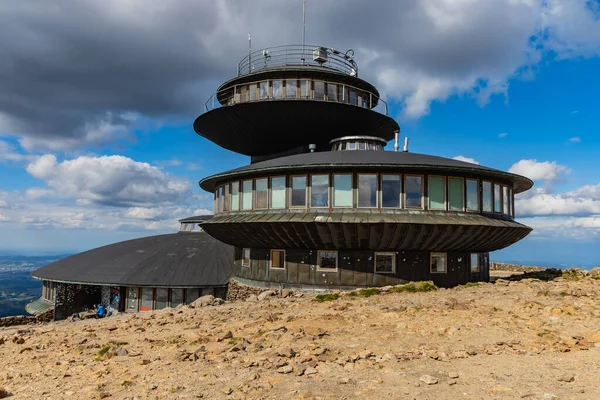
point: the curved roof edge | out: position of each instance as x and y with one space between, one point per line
366 158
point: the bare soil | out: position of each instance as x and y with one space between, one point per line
527 339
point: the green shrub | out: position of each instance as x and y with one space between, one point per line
327 297
414 287
472 284
103 350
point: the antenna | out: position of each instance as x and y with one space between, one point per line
303 21
249 52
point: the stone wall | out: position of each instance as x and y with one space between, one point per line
498 266
15 320
237 291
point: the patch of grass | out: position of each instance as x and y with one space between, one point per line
414 287
597 277
233 341
126 383
546 275
472 284
327 297
368 292
261 332
103 351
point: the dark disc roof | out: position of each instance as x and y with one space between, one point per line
367 160
184 259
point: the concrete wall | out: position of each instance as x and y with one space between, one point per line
356 269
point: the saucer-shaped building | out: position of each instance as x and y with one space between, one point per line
322 204
149 273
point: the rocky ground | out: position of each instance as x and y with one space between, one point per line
527 339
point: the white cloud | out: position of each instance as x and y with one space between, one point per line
109 180
4 218
8 153
466 159
540 171
575 140
503 135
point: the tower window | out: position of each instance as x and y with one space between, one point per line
414 191
497 198
319 193
277 259
487 196
437 193
342 190
391 189
472 195
245 257
474 262
298 191
385 262
278 192
262 193
367 190
247 195
438 263
455 194
327 260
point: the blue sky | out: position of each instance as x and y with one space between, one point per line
96 137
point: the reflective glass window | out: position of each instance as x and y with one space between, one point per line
147 299
497 198
262 193
472 195
245 257
438 263
298 188
319 90
342 190
367 190
437 193
319 193
362 146
342 94
511 210
487 196
327 260
220 196
264 90
247 195
132 298
505 201
176 297
455 194
413 185
385 262
290 88
235 196
191 295
352 146
391 189
278 192
305 89
252 92
226 197
244 93
352 96
277 259
162 298
332 93
277 89
474 262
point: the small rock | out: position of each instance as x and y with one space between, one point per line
252 298
429 380
314 331
144 362
453 375
286 352
451 382
566 378
112 328
227 390
285 293
227 336
311 371
265 294
2 341
121 352
343 381
3 393
286 369
204 301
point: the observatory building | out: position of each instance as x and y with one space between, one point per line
322 205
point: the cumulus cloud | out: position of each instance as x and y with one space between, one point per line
503 135
540 171
75 79
4 218
466 159
109 180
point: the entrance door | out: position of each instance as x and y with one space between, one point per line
132 299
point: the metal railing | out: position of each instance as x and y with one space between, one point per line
345 94
295 55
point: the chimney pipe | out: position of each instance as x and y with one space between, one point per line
396 145
405 145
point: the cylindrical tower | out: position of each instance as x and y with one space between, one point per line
322 205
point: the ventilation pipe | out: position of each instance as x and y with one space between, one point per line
405 145
312 147
396 144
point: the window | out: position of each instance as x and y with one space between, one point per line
352 97
362 146
220 197
262 193
226 197
505 202
176 297
474 262
472 195
162 297
298 191
245 257
342 190
455 194
290 88
385 263
497 198
511 205
277 89
367 190
264 90
252 91
327 260
319 191
352 146
305 89
244 93
319 90
247 195
413 185
235 196
438 263
437 193
342 94
278 192
487 197
277 259
390 191
332 92
147 299
132 298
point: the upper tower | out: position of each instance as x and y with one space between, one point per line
287 98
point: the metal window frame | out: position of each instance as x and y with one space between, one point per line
328 191
333 175
291 188
376 189
255 197
462 193
384 253
337 257
271 259
478 189
445 207
400 195
270 189
438 253
249 257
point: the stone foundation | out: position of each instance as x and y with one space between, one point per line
15 320
498 266
239 292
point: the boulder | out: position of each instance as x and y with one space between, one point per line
264 295
204 301
429 380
